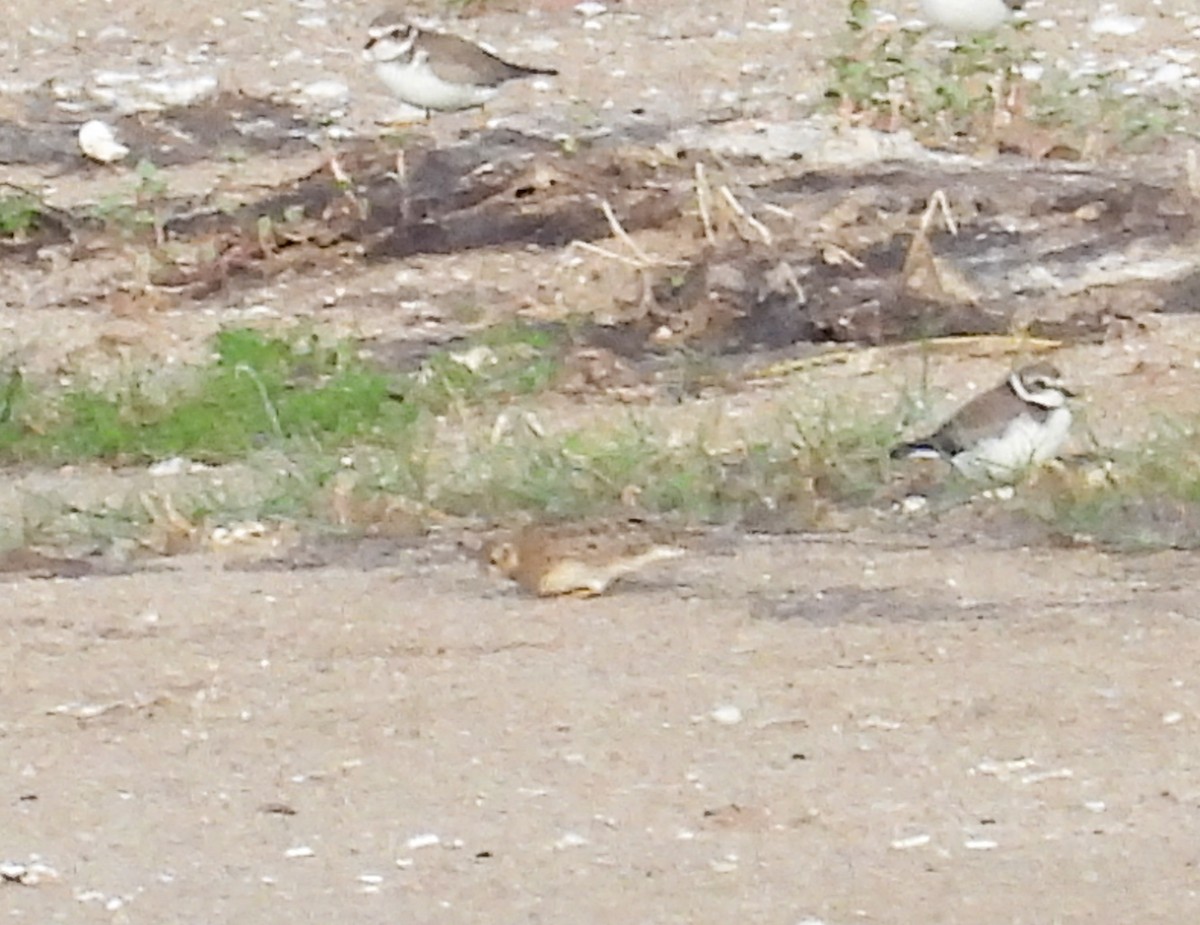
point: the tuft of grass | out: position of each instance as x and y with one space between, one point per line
258 390
504 361
1098 106
268 391
139 211
340 438
894 79
1143 497
784 474
19 215
887 76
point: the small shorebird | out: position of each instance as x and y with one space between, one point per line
998 435
436 71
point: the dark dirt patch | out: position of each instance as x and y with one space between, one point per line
852 265
228 125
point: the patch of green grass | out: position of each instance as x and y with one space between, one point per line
896 78
845 454
1096 106
140 210
258 390
19 214
261 391
448 437
504 361
781 473
1142 497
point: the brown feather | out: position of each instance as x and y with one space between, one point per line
456 60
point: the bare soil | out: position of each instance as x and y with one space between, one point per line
944 721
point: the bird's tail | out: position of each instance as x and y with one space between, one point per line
526 71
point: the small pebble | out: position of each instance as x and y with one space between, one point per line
97 141
727 715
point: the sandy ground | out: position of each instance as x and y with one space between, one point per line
870 726
839 729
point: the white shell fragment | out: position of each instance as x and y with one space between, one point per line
1116 24
97 141
726 715
134 91
570 840
1056 774
326 91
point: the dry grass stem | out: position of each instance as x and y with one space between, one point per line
704 203
744 214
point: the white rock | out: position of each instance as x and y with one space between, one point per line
1169 75
476 358
97 141
181 91
174 465
913 841
590 8
726 715
424 840
1116 24
325 91
129 91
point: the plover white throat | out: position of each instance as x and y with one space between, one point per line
998 435
437 70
